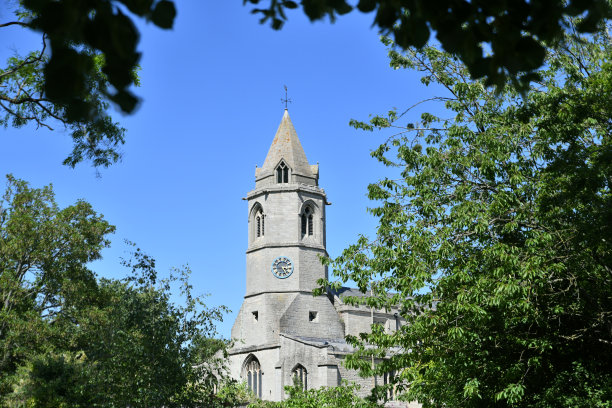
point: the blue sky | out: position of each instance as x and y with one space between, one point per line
211 103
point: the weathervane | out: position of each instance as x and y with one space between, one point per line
285 99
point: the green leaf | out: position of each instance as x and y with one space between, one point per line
163 14
366 6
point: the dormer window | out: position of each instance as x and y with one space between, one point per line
307 220
282 173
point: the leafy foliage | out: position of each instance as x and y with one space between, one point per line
22 98
496 238
516 33
71 339
343 396
43 253
233 394
74 28
52 381
88 58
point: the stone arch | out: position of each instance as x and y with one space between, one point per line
282 172
311 203
299 375
309 218
257 222
252 374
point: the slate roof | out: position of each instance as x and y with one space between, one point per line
335 344
286 145
345 291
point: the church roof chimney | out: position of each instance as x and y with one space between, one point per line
286 146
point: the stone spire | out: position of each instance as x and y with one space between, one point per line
286 146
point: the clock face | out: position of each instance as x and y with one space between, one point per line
282 267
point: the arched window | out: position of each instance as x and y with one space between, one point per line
300 376
252 375
260 223
388 380
282 173
257 222
307 221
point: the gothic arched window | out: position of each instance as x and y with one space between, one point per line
260 223
300 376
257 221
388 381
307 221
252 375
282 173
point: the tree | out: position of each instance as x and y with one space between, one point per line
87 59
52 381
342 396
515 32
44 251
133 347
495 238
136 328
71 339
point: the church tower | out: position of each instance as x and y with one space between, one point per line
286 219
286 238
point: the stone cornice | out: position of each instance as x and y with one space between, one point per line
267 292
258 246
282 188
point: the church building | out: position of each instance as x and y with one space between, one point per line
282 331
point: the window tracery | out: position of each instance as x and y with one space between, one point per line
252 375
388 380
282 173
300 376
307 221
257 222
260 221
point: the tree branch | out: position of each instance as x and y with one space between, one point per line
28 60
34 118
10 23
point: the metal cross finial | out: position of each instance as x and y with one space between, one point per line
286 100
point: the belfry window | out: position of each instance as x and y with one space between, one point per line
307 221
282 173
260 226
252 375
300 376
